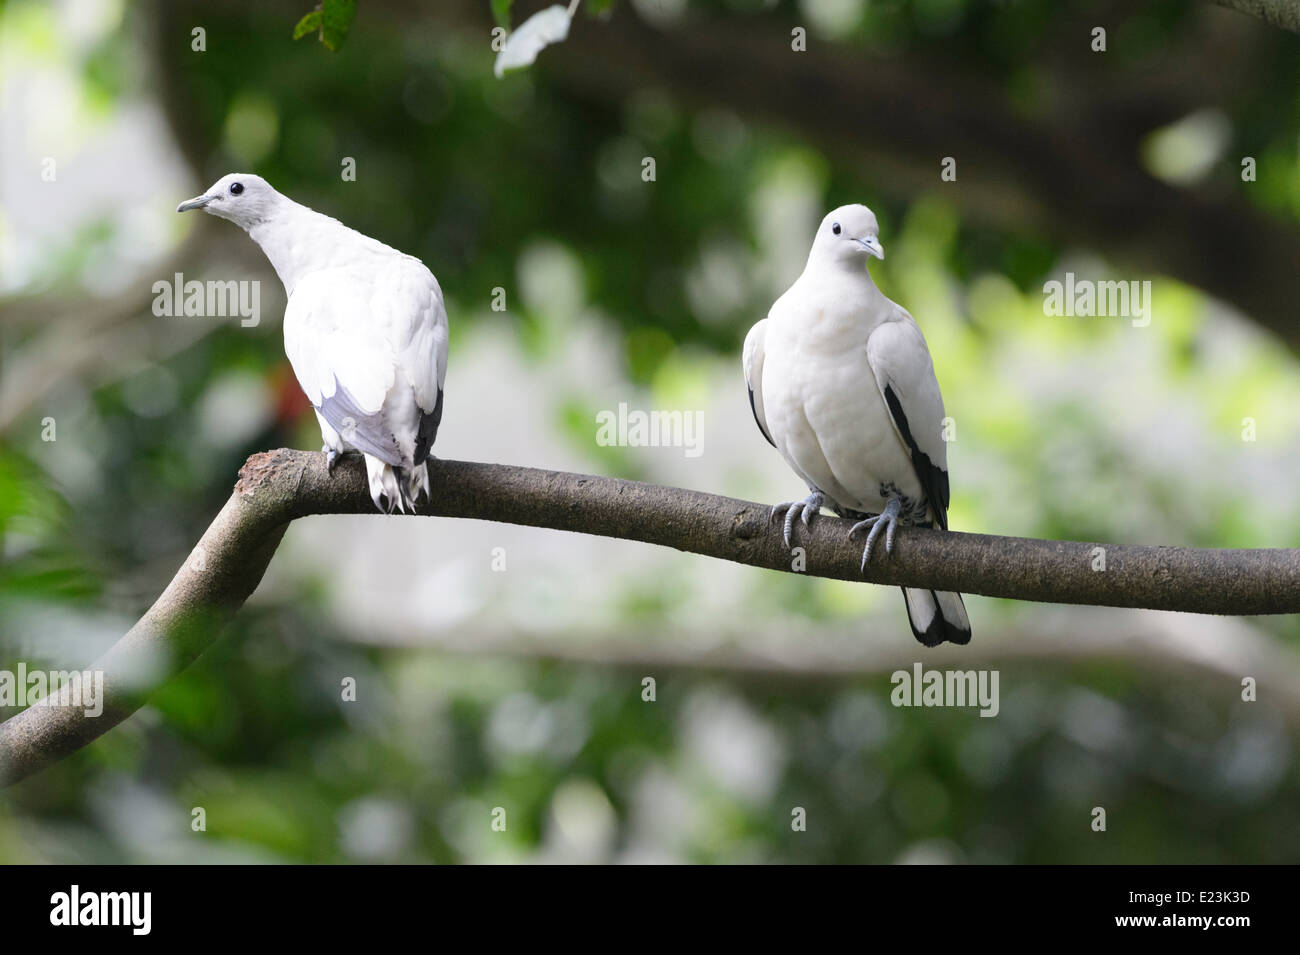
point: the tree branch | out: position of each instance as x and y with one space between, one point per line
277 487
1280 13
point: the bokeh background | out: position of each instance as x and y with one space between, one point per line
522 688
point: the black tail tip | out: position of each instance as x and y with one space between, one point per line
958 636
941 631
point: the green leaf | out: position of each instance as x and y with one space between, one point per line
307 24
501 12
336 20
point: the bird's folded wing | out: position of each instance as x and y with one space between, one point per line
412 308
905 376
345 358
422 358
753 362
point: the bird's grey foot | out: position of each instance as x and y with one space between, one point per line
809 507
888 519
331 458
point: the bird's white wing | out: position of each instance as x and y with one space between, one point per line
354 337
904 373
753 363
419 319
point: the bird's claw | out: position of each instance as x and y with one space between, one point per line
887 519
806 509
331 459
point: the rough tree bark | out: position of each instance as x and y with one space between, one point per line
277 487
1280 13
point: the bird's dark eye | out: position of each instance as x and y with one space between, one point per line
835 227
237 187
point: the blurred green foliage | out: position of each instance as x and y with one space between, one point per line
331 21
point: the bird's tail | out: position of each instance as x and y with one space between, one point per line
396 489
414 484
936 616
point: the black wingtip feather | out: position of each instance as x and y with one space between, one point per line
754 408
934 479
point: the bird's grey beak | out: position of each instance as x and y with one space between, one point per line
198 202
873 246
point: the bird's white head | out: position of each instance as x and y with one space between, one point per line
243 198
847 236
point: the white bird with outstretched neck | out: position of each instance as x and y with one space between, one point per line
841 383
365 331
